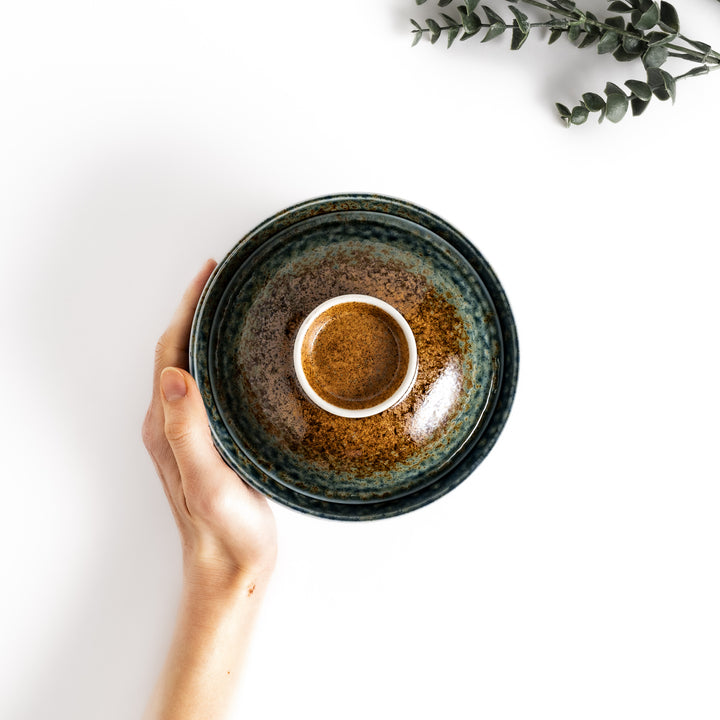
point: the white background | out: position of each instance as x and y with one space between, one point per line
575 573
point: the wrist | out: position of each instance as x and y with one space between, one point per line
211 578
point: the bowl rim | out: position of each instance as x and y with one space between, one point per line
508 375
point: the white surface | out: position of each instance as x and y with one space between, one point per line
575 574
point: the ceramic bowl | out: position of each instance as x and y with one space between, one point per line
354 468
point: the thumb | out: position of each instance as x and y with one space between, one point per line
186 425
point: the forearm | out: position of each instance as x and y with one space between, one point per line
208 648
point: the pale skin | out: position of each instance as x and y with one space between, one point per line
227 533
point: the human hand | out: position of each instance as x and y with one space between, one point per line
226 528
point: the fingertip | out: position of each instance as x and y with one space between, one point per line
173 384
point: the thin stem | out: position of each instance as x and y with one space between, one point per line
701 57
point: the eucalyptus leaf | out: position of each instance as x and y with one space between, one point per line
492 16
669 19
518 36
574 32
618 6
633 43
419 2
639 89
615 21
521 18
589 39
611 88
617 106
638 106
622 55
493 31
452 22
417 36
655 56
416 24
471 5
471 22
608 42
434 30
647 19
579 115
658 38
452 33
662 84
555 34
593 102
443 3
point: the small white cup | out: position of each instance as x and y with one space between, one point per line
407 382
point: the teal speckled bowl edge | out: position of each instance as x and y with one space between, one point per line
473 457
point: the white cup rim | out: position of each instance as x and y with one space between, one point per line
405 385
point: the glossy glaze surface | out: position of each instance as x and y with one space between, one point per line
242 356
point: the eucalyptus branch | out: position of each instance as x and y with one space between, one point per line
651 34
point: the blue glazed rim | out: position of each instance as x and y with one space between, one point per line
199 347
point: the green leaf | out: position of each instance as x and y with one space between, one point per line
613 88
669 85
622 55
701 46
555 34
452 33
639 89
452 22
434 30
618 6
658 38
416 39
669 19
632 43
589 39
471 5
416 24
647 19
564 113
608 42
617 106
638 106
655 56
616 22
471 22
493 31
522 19
662 84
518 36
443 3
574 32
579 115
593 102
419 2
492 16
568 5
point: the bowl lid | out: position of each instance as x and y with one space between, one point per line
280 442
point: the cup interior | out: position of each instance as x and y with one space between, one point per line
355 356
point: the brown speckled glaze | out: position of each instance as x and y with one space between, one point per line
368 468
321 454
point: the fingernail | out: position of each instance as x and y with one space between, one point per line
173 385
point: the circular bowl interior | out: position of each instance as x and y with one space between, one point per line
266 428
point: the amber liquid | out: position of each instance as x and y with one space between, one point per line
355 355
